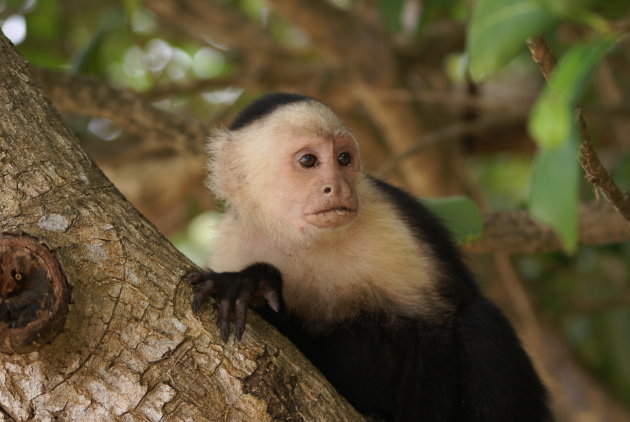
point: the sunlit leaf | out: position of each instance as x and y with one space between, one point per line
460 215
498 30
554 194
551 121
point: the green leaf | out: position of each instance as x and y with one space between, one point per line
554 194
460 215
88 60
551 120
391 11
498 30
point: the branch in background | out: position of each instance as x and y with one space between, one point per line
278 75
457 100
89 96
448 133
601 305
595 171
265 65
597 174
190 87
324 22
516 232
215 22
365 54
621 26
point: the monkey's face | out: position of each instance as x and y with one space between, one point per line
318 175
290 173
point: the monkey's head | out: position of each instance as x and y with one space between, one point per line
289 163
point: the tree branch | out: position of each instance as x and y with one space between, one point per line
264 64
448 133
216 22
324 22
516 232
131 345
596 173
86 95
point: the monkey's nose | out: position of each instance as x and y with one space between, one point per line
328 189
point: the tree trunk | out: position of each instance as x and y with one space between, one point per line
131 349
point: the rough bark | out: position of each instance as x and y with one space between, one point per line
131 349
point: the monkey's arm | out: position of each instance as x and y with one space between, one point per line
235 291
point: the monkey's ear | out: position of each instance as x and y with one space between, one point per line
225 165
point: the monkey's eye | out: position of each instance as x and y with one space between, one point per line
308 160
344 159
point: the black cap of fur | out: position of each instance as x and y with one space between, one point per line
264 106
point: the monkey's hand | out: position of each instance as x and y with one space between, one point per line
235 291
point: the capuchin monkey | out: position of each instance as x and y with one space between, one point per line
357 273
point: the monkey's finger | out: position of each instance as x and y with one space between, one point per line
225 307
202 294
240 316
195 278
246 291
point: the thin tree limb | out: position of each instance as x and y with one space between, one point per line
596 173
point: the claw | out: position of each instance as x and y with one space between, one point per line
225 306
203 288
272 299
196 304
240 317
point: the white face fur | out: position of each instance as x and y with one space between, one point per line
294 171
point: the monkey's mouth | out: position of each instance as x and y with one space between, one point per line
339 210
331 217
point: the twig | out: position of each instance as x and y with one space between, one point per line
596 174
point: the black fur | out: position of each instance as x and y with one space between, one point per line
469 367
263 106
466 367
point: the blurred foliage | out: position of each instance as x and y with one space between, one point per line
587 296
586 293
460 215
497 33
